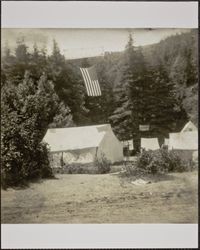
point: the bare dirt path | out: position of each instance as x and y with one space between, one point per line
103 199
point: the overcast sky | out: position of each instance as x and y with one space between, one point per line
77 43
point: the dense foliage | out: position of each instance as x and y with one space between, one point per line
103 165
172 63
179 56
145 96
160 161
155 84
26 111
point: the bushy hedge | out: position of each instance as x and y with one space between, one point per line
76 168
19 167
27 109
160 161
103 165
43 169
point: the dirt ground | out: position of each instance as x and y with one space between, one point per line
103 199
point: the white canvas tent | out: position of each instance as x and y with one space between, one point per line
185 143
84 144
184 140
150 143
187 139
189 127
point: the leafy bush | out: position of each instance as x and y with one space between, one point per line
103 164
173 162
88 168
43 165
27 109
99 166
160 161
20 167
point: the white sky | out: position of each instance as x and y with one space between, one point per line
77 43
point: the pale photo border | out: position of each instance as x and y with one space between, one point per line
63 14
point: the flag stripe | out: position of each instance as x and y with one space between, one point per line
95 87
98 87
86 82
91 81
92 85
82 71
93 77
90 92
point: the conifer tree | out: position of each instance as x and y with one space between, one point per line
106 100
121 119
129 94
67 83
144 96
161 102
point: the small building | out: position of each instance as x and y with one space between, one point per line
83 145
185 143
150 143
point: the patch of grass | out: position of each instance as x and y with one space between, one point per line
104 199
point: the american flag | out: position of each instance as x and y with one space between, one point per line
91 81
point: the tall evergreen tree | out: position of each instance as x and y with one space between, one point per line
162 103
27 110
144 96
107 97
129 93
67 83
121 119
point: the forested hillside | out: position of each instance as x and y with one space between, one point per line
176 57
179 55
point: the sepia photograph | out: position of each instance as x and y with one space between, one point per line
99 125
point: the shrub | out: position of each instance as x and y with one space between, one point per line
160 161
173 161
151 162
103 164
19 167
76 168
43 165
27 109
13 171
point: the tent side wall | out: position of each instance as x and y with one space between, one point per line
83 156
111 148
150 143
184 140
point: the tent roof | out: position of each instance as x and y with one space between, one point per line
65 139
189 127
184 141
150 143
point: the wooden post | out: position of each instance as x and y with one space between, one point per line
62 160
